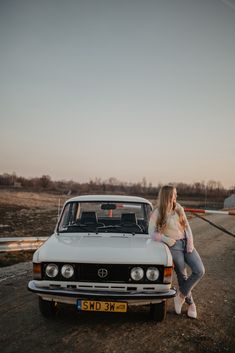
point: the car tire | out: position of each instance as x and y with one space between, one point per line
47 308
158 311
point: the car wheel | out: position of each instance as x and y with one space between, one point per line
158 311
47 308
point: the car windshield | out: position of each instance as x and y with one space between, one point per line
104 217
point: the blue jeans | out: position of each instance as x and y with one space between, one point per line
193 260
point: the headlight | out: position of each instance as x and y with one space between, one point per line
67 271
52 270
137 273
152 273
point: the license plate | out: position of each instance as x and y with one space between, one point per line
93 305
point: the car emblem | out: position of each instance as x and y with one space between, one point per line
102 272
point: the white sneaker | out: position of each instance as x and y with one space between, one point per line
192 311
178 301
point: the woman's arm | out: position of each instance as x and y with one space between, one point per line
189 234
156 235
152 224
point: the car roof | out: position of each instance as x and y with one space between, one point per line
113 198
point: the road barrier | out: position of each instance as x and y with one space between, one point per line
20 244
199 210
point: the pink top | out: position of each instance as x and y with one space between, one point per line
173 229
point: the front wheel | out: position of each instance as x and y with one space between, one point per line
158 311
47 308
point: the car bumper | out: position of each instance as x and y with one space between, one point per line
132 297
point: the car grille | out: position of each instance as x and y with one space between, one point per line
102 273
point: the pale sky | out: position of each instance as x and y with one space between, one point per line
125 89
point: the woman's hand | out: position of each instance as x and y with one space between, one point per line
190 245
157 236
161 237
168 241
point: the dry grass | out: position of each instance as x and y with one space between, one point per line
30 199
11 258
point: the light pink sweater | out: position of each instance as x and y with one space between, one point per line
173 229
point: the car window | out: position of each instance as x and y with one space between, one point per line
76 217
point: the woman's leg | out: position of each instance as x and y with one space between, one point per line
180 258
195 263
180 268
189 298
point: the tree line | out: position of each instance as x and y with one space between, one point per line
212 190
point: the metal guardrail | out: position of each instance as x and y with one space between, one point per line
19 244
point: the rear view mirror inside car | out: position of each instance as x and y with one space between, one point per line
108 206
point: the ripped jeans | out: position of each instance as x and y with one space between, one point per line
193 260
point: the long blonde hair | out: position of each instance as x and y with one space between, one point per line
164 200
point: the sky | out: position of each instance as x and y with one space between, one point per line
128 89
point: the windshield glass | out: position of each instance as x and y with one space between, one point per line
111 217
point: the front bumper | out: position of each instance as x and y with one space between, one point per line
131 297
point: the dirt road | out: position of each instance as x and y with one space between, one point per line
23 329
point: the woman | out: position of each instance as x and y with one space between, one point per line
168 223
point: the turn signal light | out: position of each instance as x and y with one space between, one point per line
37 270
167 277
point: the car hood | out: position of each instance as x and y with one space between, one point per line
103 248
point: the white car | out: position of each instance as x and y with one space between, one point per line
101 258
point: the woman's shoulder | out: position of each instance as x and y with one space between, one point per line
155 212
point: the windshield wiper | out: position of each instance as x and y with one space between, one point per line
85 227
111 226
121 228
